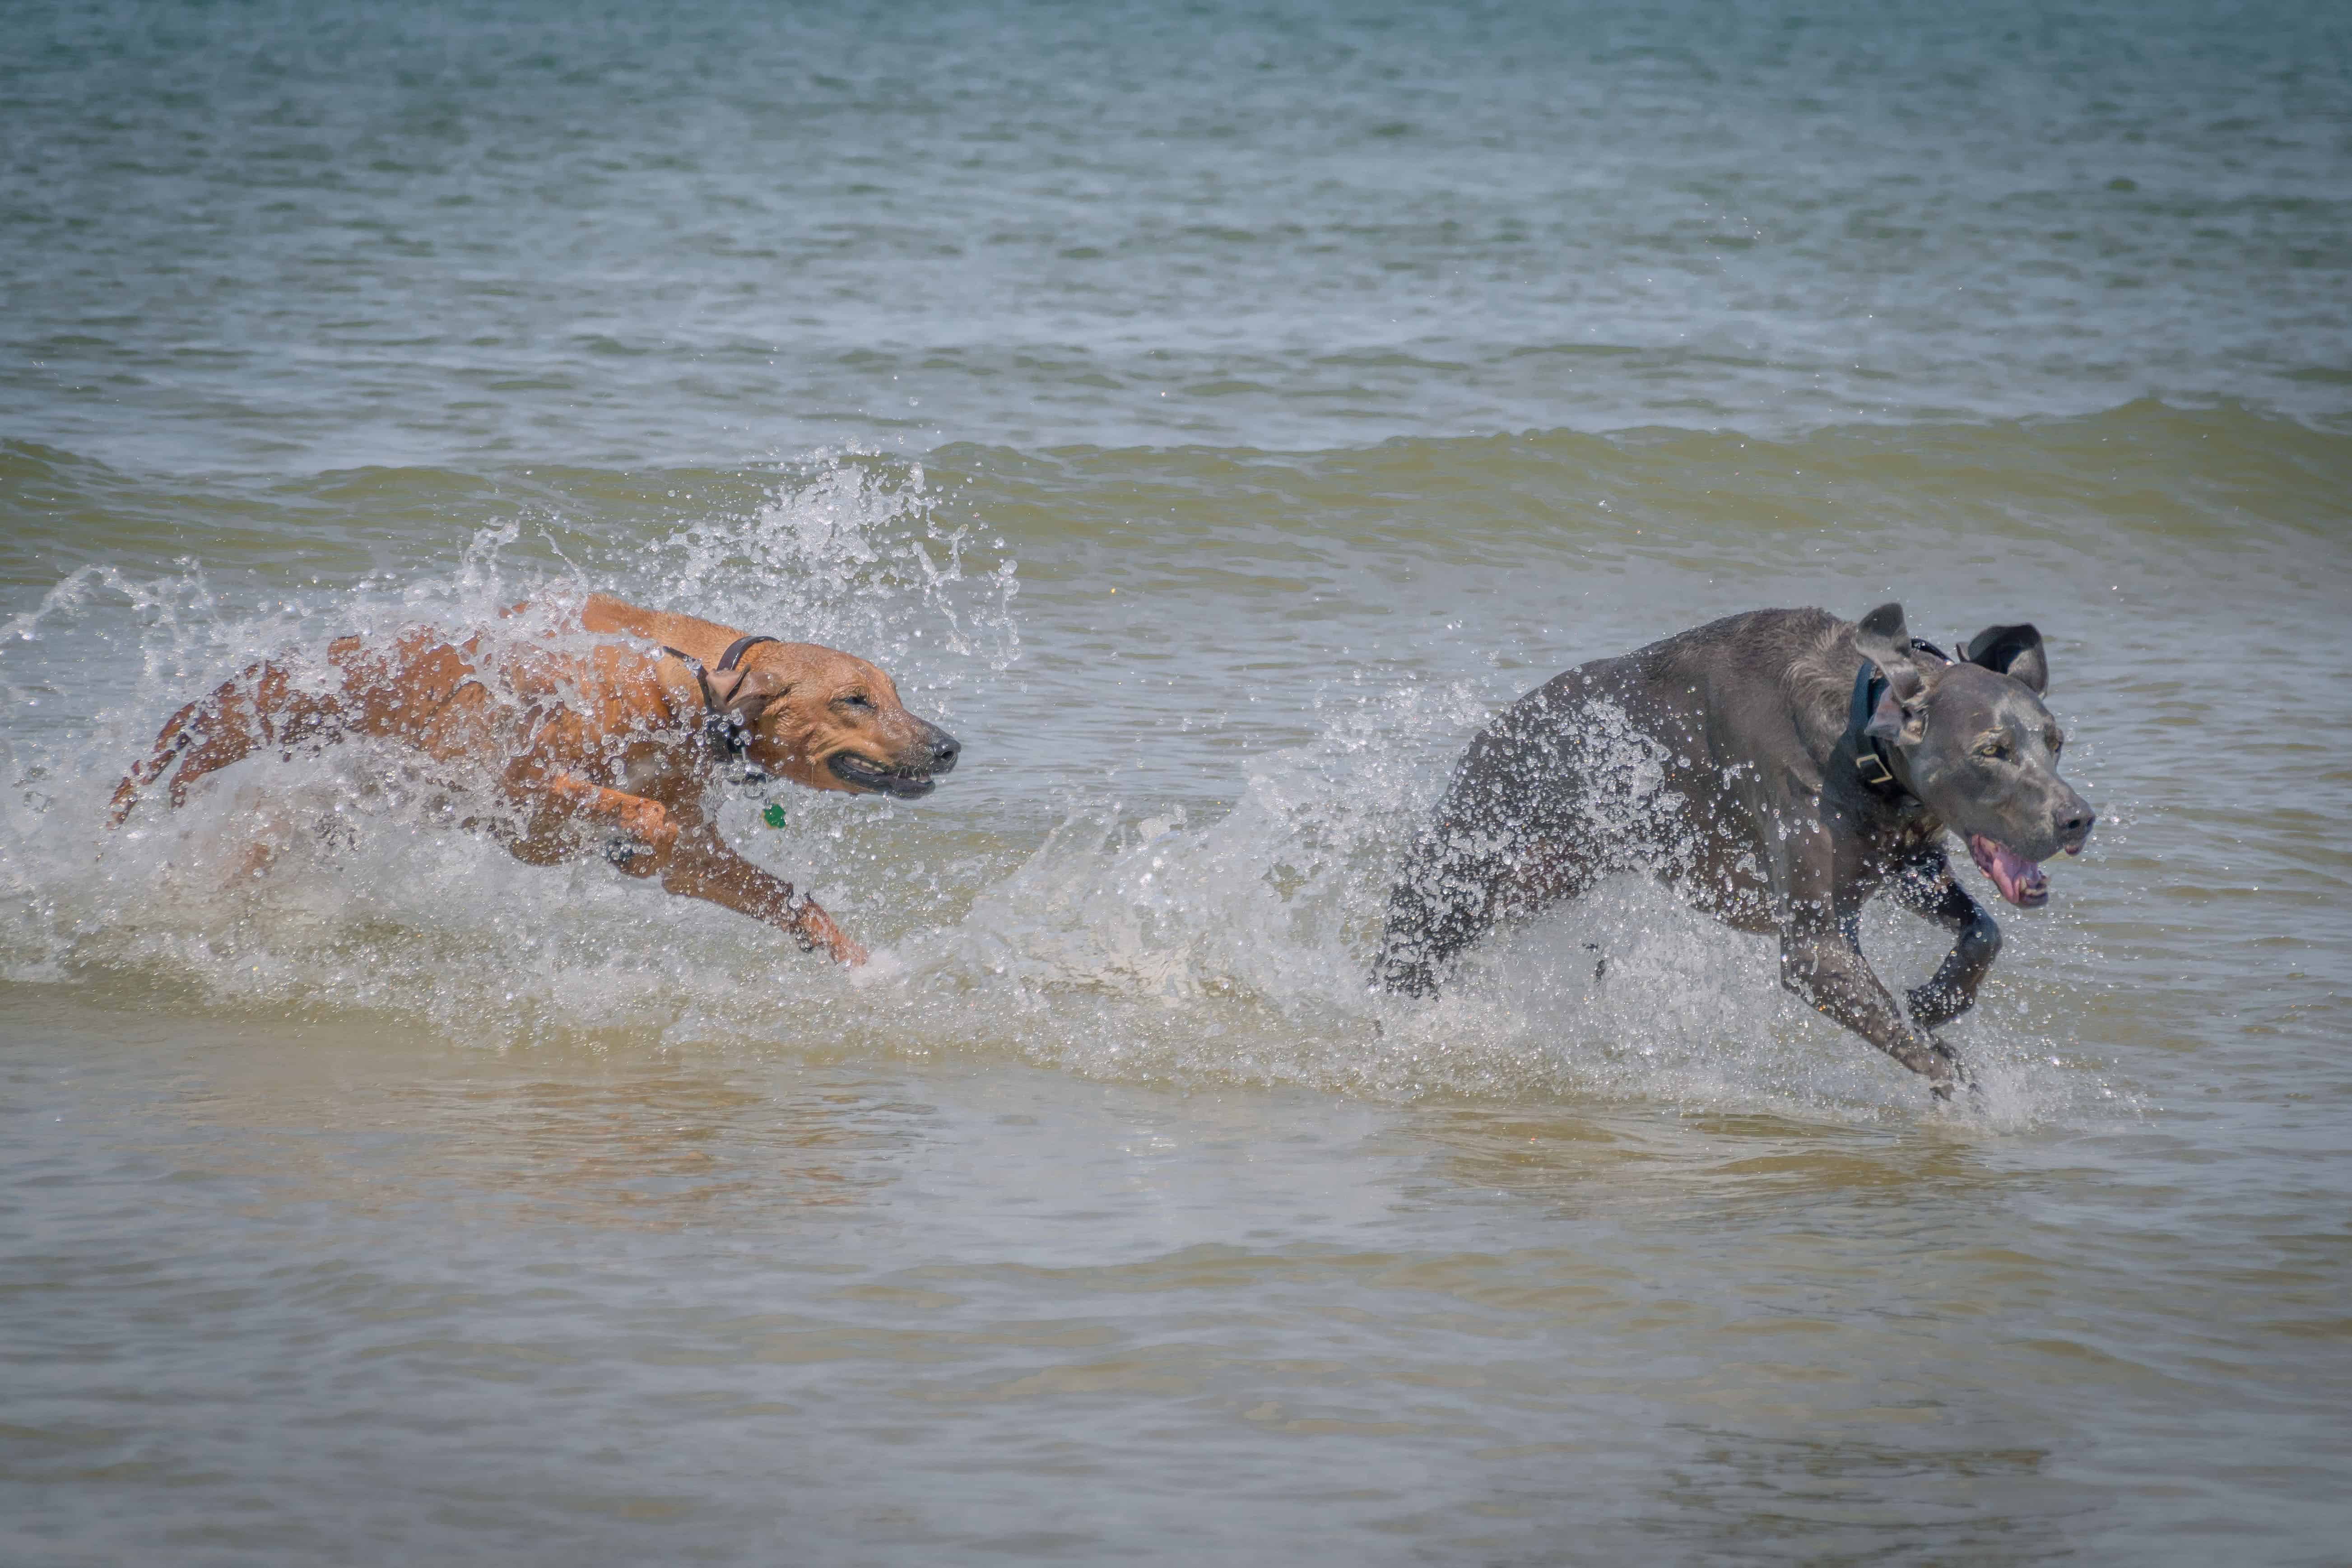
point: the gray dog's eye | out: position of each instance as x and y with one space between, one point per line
1996 746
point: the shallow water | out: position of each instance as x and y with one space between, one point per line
1211 418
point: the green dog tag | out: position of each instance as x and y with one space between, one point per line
774 816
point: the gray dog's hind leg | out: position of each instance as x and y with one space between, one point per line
1505 841
1454 890
1443 902
1926 888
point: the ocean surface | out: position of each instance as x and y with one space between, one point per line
1211 415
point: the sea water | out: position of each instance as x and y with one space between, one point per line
1212 416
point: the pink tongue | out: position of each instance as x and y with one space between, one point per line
2021 880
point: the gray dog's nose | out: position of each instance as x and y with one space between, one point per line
2074 826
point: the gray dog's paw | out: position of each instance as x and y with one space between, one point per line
1949 1073
1939 1064
1932 1005
1942 1096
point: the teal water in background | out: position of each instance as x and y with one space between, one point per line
1211 415
323 236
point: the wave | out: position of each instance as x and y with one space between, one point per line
2145 467
1215 930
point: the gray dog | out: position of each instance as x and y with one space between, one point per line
1779 767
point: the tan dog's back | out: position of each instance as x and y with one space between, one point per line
608 617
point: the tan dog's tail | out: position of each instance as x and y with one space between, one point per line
260 706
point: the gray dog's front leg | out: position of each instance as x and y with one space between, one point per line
1825 970
1927 889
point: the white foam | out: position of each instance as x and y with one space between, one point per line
1127 939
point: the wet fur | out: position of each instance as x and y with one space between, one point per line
1745 720
599 747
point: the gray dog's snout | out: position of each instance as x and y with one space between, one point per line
2075 824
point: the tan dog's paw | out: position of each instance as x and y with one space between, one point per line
648 820
881 968
819 934
648 837
843 951
254 863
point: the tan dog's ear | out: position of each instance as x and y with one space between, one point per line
744 695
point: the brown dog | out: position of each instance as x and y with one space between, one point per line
613 746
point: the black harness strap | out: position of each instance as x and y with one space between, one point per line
701 676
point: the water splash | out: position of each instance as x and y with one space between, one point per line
1120 938
329 879
1237 951
854 551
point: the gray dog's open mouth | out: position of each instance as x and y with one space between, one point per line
903 784
2021 880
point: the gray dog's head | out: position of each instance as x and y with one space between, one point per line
1974 743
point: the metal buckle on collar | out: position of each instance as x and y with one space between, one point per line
1872 769
724 730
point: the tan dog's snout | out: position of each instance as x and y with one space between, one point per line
902 756
942 748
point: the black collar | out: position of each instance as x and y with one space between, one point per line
1873 767
726 731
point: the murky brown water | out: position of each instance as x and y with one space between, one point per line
308 1297
406 1200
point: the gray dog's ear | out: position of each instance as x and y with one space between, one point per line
1883 639
1891 720
743 695
2014 651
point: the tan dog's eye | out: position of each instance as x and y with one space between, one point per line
857 701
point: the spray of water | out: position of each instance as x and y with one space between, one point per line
1115 937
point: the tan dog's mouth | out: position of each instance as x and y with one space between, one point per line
863 772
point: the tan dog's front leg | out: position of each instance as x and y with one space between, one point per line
701 866
646 836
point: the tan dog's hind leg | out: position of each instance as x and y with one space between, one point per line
260 708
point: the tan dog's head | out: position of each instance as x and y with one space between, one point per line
831 720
